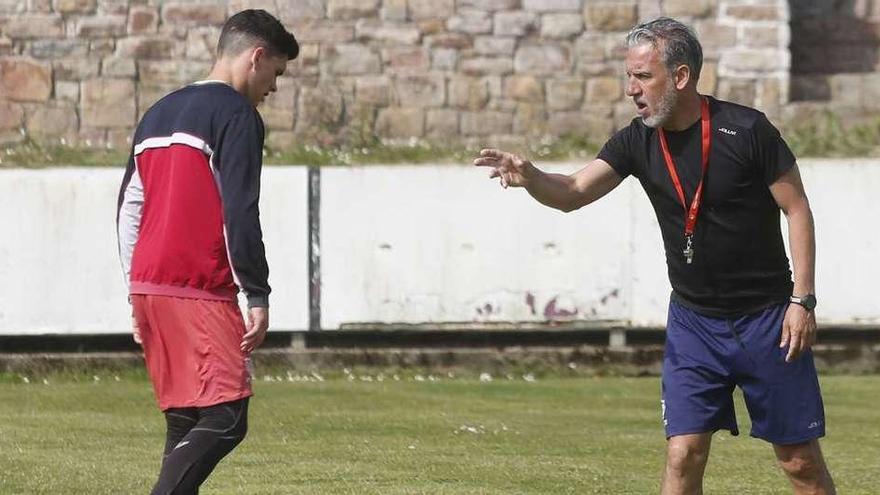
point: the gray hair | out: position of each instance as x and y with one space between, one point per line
677 43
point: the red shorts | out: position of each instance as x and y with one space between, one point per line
192 350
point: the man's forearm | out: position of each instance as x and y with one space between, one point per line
554 190
802 239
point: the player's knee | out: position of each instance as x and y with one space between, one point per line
686 456
802 467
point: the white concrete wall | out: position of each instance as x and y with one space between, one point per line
59 265
414 245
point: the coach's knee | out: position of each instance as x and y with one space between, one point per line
686 457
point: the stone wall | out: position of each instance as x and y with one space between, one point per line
836 56
81 72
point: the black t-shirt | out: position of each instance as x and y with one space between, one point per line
739 263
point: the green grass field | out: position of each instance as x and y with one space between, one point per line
446 436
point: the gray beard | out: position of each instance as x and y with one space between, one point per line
665 105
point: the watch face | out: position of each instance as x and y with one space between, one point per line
809 301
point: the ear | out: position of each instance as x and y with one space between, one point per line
257 56
682 77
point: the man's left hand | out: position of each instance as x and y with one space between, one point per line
798 331
257 324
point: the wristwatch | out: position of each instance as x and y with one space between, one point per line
808 301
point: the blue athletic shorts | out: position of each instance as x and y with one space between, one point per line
707 357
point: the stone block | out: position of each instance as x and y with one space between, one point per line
393 10
594 126
531 120
41 6
107 26
67 91
431 26
75 6
352 9
6 45
112 7
35 26
494 45
143 20
59 48
470 21
406 59
440 122
102 47
193 14
323 32
201 43
847 89
431 9
444 59
715 38
605 16
590 48
552 5
762 36
689 8
708 81
524 89
604 90
351 59
489 5
754 12
770 96
24 79
564 94
149 94
450 40
486 123
468 93
270 6
376 30
561 25
543 59
293 10
373 90
281 140
108 103
54 120
624 112
516 23
150 48
159 72
11 116
809 87
479 66
117 67
321 110
737 90
400 123
871 91
420 90
12 6
754 60
280 107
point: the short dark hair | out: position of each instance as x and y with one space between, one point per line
254 27
677 43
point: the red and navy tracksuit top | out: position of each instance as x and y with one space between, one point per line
188 217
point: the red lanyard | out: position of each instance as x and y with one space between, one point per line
694 210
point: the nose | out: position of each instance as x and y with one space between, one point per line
632 87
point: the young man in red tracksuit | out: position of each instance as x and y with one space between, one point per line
190 238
